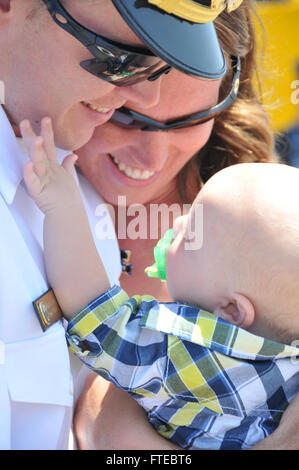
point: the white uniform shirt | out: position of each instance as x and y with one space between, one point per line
39 381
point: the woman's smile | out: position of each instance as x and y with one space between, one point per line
131 172
125 175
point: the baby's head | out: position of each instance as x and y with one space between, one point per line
236 253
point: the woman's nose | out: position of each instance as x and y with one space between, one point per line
153 147
145 94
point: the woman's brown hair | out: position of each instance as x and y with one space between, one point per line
242 132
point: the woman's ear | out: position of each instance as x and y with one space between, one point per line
238 310
5 12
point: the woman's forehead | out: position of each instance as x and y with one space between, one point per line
182 95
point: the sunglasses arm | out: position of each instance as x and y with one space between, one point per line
158 74
86 37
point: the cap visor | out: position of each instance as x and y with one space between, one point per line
189 47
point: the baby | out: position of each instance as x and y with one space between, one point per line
218 380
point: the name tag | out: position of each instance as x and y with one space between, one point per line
47 309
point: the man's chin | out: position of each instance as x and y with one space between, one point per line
71 141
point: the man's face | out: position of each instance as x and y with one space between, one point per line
42 74
143 166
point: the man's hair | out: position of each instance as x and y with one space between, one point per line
35 10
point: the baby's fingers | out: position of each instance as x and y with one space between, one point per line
34 147
38 157
48 136
32 181
69 162
27 133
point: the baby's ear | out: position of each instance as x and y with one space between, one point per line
238 310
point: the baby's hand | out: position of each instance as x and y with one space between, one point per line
51 185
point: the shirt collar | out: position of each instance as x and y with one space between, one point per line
205 329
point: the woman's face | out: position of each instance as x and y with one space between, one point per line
140 165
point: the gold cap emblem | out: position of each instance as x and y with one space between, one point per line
193 11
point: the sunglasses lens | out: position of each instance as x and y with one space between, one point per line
123 117
124 70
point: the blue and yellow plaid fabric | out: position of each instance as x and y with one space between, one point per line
204 383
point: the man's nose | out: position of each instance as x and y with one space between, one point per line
145 94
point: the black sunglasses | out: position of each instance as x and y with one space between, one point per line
125 117
115 63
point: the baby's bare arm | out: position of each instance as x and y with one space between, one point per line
74 268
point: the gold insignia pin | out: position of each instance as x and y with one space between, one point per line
47 309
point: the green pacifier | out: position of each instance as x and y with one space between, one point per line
159 268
